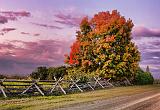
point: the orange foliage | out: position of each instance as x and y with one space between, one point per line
110 38
73 58
103 21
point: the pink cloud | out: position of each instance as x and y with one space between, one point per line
3 19
16 14
30 34
68 19
146 32
6 30
25 33
47 26
37 34
22 57
5 16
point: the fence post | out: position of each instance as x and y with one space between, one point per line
128 81
97 82
88 83
75 83
2 87
57 84
109 82
34 84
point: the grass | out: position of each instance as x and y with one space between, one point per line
50 102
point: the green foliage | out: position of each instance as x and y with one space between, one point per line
2 76
143 78
76 73
40 72
45 73
56 72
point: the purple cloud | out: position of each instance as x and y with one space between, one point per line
6 30
25 33
68 19
150 53
16 14
22 57
146 32
156 43
37 34
3 19
5 16
47 26
30 34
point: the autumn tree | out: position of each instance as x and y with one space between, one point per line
103 45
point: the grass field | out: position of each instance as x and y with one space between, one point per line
50 102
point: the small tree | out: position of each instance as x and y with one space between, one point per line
147 69
143 78
56 72
40 72
2 76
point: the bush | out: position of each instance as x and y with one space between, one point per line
143 78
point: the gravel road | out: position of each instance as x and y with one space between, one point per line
144 101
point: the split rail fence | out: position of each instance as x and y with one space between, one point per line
10 87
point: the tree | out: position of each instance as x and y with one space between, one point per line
40 72
2 76
56 72
103 45
147 69
143 78
45 73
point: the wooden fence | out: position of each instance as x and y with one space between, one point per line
8 87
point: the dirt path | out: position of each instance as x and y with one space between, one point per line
144 101
150 104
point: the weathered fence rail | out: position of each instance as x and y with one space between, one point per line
44 87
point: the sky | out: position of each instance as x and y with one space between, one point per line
39 32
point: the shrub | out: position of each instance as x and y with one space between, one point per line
143 78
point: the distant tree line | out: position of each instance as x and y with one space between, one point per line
49 73
43 73
2 76
15 76
141 77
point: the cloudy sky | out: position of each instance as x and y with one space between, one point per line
39 32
